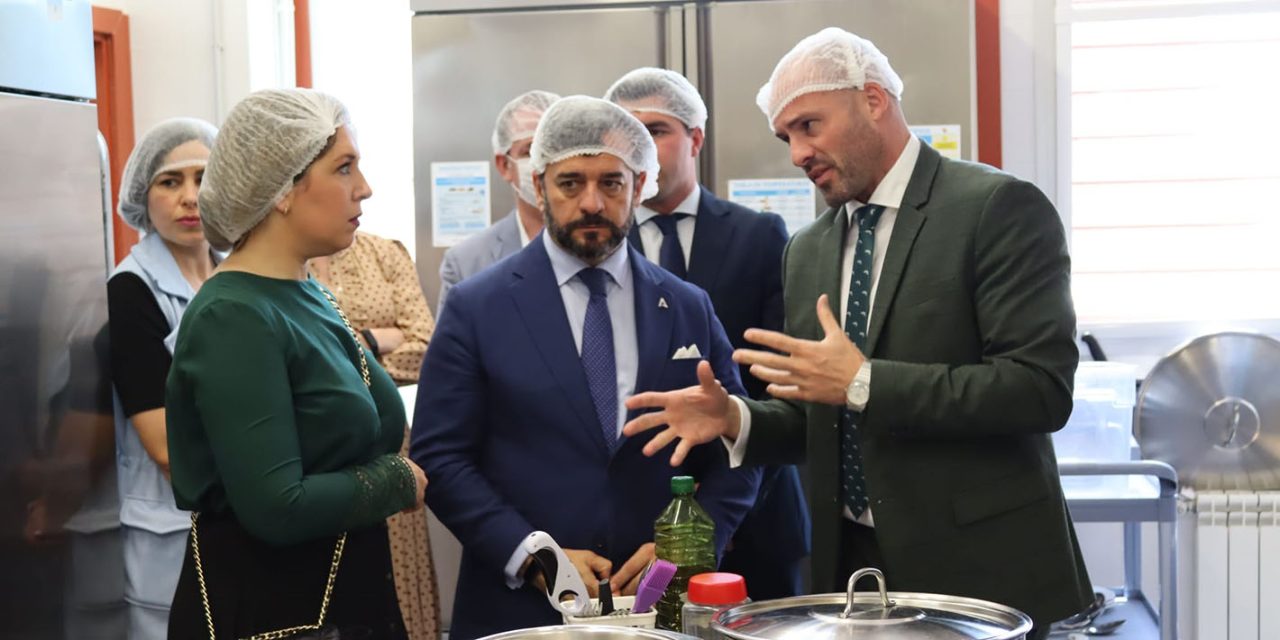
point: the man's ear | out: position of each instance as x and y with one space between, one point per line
539 186
698 138
506 168
878 100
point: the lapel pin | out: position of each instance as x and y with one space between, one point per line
662 303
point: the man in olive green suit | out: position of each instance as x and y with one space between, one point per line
930 456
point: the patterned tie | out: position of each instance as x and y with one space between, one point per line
597 354
853 482
671 255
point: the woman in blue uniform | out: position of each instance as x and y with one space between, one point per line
147 295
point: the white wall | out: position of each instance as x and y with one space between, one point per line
361 52
172 57
198 58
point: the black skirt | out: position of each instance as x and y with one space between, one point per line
255 587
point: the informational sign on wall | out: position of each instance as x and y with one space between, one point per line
791 198
459 201
944 138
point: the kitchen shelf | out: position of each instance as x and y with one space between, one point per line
1149 495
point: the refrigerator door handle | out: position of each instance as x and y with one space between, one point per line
104 162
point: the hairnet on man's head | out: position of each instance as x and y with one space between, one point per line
586 126
269 138
519 118
147 161
660 91
829 60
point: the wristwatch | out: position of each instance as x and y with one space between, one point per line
859 390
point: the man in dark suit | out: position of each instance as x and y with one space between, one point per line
735 255
520 425
924 402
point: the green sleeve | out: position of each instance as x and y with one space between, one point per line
240 385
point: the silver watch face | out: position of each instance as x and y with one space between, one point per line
858 392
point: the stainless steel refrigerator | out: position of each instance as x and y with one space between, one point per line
59 515
471 56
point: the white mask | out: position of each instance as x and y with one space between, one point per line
524 168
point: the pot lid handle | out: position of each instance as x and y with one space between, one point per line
853 581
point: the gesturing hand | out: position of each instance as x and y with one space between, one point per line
693 415
806 370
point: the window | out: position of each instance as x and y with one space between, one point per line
1174 174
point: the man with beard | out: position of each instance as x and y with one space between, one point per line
928 353
530 364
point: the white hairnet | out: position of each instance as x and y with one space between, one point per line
829 60
147 161
269 138
519 118
660 91
586 126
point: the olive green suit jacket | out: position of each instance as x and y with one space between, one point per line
973 356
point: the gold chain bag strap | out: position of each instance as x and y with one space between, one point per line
280 634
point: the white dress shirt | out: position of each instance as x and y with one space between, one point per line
651 235
622 317
524 235
888 194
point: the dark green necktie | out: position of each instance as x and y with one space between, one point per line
853 483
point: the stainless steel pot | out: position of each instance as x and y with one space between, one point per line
586 632
872 616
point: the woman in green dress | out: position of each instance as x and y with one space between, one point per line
283 430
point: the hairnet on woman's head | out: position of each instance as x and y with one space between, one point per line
269 138
660 91
586 126
147 161
519 118
829 60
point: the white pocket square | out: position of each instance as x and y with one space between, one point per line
687 353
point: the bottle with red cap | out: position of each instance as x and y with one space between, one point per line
709 593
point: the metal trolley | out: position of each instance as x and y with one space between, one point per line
1150 496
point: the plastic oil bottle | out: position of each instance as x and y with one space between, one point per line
685 536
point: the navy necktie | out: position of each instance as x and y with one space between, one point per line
597 354
671 255
853 482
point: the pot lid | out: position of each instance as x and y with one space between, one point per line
1211 410
868 616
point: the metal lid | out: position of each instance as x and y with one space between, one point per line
866 616
1211 410
584 632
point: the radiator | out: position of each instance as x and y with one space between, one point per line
1237 565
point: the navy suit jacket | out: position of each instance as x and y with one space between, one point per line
737 259
506 431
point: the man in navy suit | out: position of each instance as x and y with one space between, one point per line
735 255
531 362
512 137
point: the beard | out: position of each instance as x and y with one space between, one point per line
862 150
597 245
